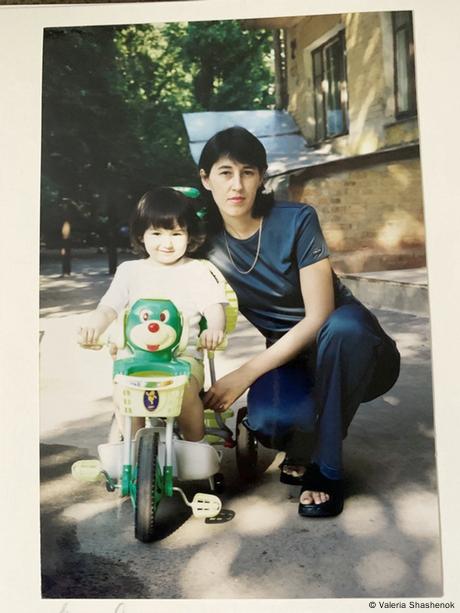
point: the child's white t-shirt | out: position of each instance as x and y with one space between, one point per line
188 284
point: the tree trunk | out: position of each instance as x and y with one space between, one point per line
204 85
112 251
280 71
65 246
111 236
66 257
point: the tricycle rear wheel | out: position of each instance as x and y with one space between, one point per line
246 449
219 483
148 487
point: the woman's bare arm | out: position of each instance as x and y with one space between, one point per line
318 297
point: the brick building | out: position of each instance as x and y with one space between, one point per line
349 82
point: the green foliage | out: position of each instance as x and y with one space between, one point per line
156 91
88 149
113 99
231 67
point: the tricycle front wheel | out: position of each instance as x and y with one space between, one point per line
148 486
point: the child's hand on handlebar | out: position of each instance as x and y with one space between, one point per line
88 336
96 324
210 339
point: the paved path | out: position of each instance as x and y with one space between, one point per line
385 543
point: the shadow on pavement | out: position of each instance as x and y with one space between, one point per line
385 544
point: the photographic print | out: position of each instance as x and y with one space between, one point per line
256 180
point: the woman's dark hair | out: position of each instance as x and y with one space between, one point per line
165 207
241 146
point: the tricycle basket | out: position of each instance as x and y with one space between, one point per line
149 394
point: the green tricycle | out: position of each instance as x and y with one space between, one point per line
149 383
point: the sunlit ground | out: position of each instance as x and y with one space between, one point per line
385 543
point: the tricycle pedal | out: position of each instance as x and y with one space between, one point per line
202 505
205 505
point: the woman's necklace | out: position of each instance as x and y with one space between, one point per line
245 272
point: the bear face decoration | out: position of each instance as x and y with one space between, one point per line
155 327
152 331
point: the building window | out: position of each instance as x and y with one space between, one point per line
404 64
329 77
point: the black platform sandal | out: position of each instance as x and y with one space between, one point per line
314 481
286 477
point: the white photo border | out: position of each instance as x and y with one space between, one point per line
21 36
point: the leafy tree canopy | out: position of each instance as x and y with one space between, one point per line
113 99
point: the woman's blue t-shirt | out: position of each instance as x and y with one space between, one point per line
269 296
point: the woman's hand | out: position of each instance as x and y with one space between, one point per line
226 390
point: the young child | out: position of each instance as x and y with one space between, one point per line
165 230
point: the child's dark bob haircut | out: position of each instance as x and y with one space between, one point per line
164 207
241 146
